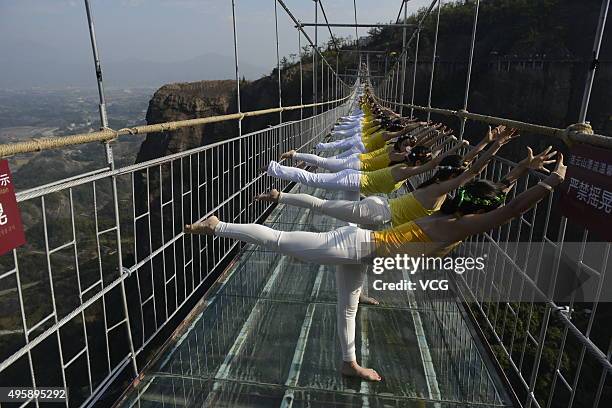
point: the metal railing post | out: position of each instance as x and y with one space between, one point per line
586 97
414 74
111 165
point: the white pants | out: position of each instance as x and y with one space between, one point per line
372 211
345 180
349 281
353 151
345 245
343 144
330 163
339 134
350 119
348 125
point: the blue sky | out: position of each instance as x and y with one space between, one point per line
168 30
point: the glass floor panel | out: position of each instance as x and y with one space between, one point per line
266 337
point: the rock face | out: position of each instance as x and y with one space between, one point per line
186 101
209 98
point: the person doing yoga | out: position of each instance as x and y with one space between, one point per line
477 207
365 142
386 180
375 211
422 133
394 152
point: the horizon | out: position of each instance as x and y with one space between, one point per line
48 44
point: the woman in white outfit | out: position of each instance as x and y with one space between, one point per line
477 207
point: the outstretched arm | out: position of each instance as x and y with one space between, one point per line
530 162
404 172
475 169
441 134
489 137
478 223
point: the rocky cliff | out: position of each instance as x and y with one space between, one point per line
208 98
185 101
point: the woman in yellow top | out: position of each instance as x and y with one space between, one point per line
390 153
364 144
375 211
477 207
386 180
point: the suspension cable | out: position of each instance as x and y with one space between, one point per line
237 70
404 59
278 67
416 62
333 38
356 33
433 60
469 72
301 28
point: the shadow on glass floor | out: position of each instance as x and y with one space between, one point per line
266 337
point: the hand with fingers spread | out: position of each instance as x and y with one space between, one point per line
503 134
490 136
558 175
537 162
287 155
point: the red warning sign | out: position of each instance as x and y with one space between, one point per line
586 194
11 228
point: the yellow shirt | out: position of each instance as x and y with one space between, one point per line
369 127
407 238
379 181
374 142
407 208
371 155
377 162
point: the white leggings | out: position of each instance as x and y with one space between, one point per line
345 180
332 164
343 144
345 245
339 134
349 281
356 124
350 152
372 211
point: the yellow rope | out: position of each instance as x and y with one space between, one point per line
107 134
577 133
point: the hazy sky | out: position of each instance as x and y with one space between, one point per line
43 32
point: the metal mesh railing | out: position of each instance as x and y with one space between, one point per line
107 265
107 268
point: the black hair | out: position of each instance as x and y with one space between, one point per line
420 154
449 167
398 142
478 195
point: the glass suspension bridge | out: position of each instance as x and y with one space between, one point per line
159 318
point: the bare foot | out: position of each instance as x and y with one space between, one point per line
288 155
366 300
203 227
353 369
272 196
